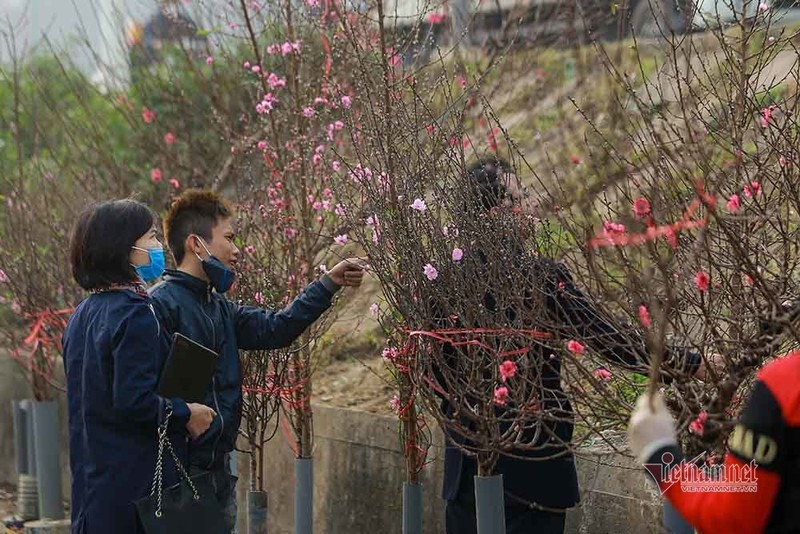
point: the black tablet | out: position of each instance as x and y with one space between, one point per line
189 370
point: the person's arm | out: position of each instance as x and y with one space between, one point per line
623 347
266 329
135 346
257 328
756 451
167 316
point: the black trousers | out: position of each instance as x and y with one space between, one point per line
520 519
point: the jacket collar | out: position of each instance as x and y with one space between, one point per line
192 283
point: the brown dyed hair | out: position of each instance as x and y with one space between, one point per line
194 212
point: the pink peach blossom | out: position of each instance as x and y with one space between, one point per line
501 395
733 203
274 81
641 207
390 354
602 374
508 369
644 316
430 272
575 347
419 205
702 280
148 116
697 426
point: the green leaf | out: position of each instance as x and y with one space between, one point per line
204 33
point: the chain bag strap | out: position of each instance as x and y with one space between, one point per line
189 506
157 488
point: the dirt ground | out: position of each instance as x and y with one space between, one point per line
8 503
354 375
358 384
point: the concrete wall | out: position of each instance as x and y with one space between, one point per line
359 472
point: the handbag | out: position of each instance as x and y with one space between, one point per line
189 506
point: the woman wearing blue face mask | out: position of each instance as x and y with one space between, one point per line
113 350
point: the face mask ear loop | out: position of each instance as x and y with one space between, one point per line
134 247
202 244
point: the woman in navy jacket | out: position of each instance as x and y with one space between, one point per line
114 349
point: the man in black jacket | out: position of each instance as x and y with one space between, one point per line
190 300
539 491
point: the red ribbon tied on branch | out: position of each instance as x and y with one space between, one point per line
47 327
653 232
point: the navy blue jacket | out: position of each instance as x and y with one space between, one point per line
113 353
553 482
188 305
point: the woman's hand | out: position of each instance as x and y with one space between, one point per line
199 419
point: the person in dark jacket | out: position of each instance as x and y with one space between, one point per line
191 300
538 492
113 352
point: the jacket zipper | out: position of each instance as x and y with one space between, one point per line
214 393
221 422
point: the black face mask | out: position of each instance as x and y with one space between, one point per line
220 276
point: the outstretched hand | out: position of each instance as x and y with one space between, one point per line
349 272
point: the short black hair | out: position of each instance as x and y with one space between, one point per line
194 212
101 242
485 187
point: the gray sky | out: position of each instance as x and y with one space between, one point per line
76 25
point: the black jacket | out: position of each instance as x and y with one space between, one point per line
188 305
553 482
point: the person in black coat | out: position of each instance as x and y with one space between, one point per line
114 349
537 492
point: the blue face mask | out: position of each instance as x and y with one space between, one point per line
220 276
155 268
